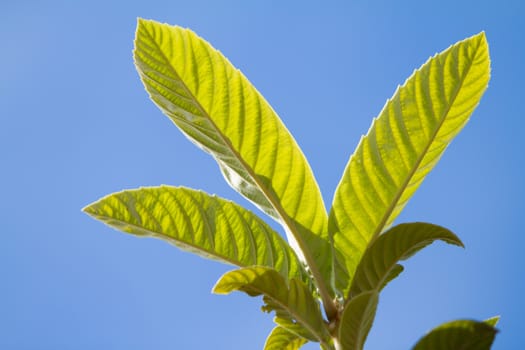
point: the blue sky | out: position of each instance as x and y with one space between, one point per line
76 124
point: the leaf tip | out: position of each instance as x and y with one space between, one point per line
458 242
493 321
216 289
142 21
88 209
145 25
478 37
221 287
483 35
453 239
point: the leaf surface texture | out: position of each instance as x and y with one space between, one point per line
402 146
194 221
379 264
219 110
282 339
295 307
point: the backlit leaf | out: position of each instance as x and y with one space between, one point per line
199 223
286 322
292 302
379 263
403 144
493 321
282 339
219 110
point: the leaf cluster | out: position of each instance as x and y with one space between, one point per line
324 282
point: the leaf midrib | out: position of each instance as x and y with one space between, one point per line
401 190
223 138
268 195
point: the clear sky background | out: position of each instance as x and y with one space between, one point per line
76 124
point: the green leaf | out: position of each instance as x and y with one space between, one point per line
379 263
293 303
461 334
199 223
288 323
282 339
218 109
394 272
402 146
357 320
493 321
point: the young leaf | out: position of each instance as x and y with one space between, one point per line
286 322
357 320
293 303
199 223
282 339
379 263
461 334
218 109
403 144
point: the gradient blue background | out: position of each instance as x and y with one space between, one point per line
76 124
